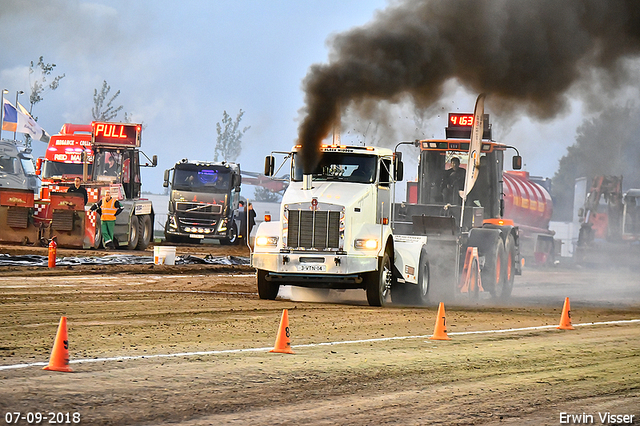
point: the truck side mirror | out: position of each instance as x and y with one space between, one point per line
399 171
269 165
516 162
398 166
238 179
38 166
165 184
154 160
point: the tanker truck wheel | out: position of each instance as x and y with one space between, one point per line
378 283
266 289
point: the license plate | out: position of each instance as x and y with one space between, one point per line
312 268
196 236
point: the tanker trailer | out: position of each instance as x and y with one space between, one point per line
529 205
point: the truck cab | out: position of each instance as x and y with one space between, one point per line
203 198
335 227
116 167
16 166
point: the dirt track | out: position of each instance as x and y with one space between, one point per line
225 374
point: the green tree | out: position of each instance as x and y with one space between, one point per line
39 74
100 111
605 145
264 194
229 140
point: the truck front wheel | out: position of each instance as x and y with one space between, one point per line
266 289
378 283
232 236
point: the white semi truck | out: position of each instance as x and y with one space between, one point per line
335 230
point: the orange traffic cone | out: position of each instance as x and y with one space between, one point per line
565 320
283 343
59 360
440 330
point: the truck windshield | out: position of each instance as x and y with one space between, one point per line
8 165
27 165
54 169
340 166
201 179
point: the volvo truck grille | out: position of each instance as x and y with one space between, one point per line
201 208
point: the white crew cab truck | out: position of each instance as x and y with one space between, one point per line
336 231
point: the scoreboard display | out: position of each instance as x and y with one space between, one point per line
459 126
115 134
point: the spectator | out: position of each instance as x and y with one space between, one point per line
108 208
79 189
251 214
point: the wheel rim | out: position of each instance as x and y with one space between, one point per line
385 279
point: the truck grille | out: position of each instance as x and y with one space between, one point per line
314 229
195 208
190 221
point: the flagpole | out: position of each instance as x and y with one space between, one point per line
2 112
19 92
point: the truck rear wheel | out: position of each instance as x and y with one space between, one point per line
490 245
414 294
378 283
145 232
97 236
492 274
509 266
133 232
266 289
423 279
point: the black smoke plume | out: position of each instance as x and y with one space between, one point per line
525 55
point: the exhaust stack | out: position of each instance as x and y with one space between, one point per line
307 182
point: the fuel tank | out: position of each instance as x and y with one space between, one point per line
526 202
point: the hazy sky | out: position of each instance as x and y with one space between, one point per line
179 65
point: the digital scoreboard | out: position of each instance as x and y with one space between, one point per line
115 134
459 126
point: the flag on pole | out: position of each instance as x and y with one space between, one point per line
19 120
474 147
10 117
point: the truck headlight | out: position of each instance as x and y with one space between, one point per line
366 244
267 241
172 222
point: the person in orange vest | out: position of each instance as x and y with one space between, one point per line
108 208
